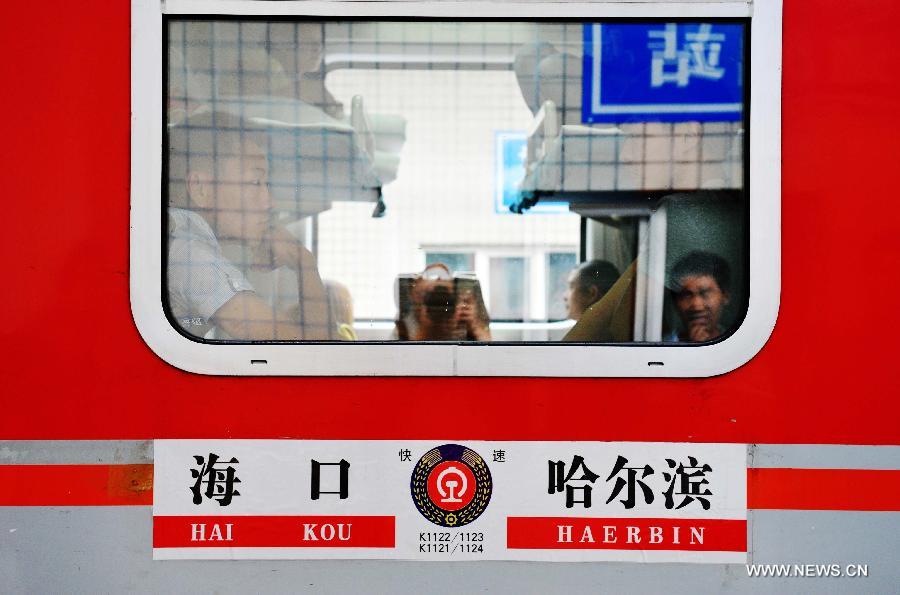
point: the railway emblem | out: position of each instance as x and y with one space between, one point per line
451 485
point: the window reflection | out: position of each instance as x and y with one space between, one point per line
438 181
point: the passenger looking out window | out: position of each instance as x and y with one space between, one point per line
218 193
587 284
700 284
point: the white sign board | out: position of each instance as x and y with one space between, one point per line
450 500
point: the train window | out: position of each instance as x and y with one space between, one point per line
340 192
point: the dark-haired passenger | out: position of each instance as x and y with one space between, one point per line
219 193
700 284
588 283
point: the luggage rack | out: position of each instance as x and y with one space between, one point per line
630 166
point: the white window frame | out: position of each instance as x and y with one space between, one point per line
396 359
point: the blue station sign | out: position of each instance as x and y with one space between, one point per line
665 72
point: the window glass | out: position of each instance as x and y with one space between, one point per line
312 166
559 266
456 261
509 288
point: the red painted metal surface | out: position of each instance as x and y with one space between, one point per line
767 489
76 485
823 489
75 366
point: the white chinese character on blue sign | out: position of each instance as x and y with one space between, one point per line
665 72
698 56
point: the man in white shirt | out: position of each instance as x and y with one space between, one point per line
218 192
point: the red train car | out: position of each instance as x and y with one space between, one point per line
812 414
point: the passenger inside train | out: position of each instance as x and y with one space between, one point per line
700 285
219 194
587 283
538 174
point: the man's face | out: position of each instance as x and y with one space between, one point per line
700 302
239 204
577 298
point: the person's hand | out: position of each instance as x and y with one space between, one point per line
465 313
466 316
278 248
699 332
